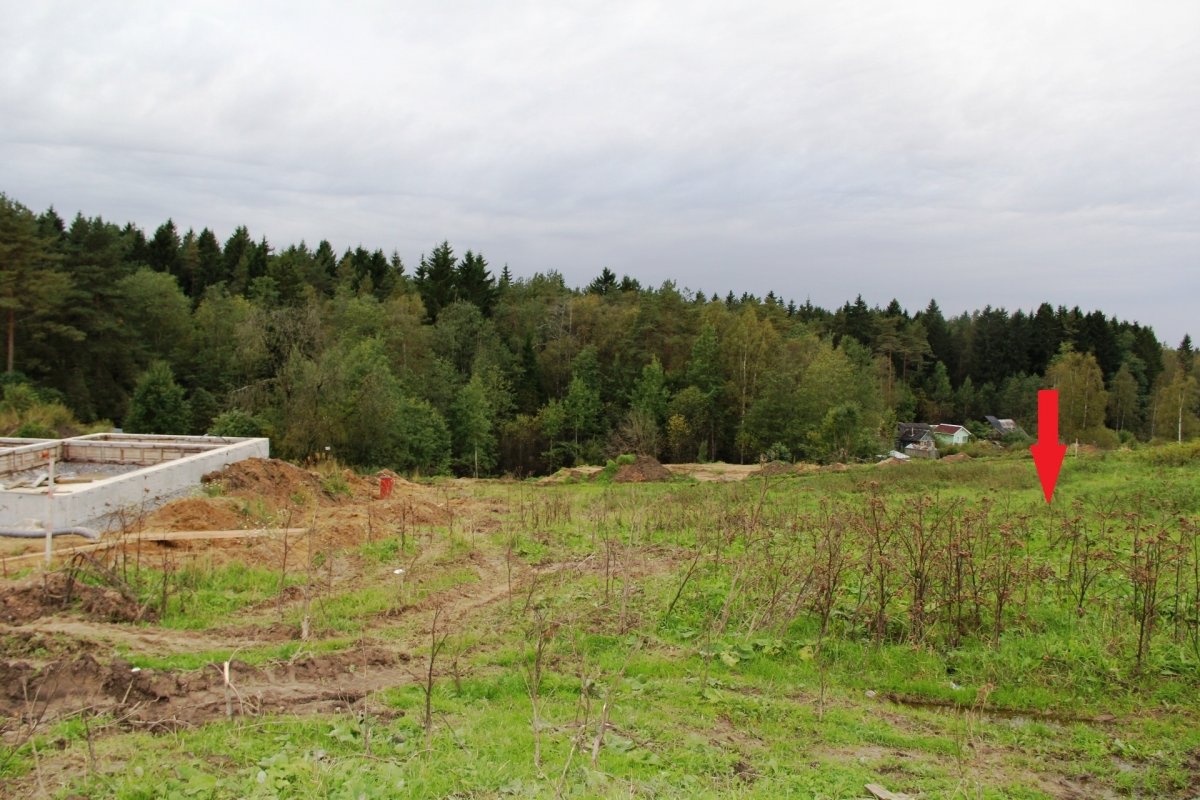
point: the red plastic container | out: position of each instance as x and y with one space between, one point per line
385 487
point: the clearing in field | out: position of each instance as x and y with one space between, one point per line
934 629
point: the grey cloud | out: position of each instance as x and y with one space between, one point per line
992 152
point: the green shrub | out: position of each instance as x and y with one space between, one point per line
32 429
1173 455
237 424
612 465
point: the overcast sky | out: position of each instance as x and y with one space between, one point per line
997 153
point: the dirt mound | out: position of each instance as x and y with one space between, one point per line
773 468
266 477
954 459
197 514
316 683
838 467
570 474
564 475
54 592
891 462
398 481
646 468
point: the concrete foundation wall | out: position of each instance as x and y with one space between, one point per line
99 502
27 455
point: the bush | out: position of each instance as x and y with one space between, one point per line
237 424
1101 437
27 413
610 468
158 404
35 430
1186 454
20 397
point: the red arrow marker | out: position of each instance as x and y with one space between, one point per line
1048 453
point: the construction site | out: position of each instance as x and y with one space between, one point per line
224 624
86 484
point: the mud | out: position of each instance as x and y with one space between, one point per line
164 700
54 592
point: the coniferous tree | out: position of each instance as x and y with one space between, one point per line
208 264
474 283
162 252
158 405
604 283
52 226
96 256
435 279
32 289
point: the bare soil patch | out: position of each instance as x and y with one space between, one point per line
54 592
644 469
716 472
168 699
198 514
267 478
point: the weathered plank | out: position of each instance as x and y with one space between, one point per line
148 536
881 793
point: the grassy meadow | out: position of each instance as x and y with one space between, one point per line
934 628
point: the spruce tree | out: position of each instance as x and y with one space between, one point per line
158 404
30 285
435 278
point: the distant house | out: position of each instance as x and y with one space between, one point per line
1004 427
945 433
915 439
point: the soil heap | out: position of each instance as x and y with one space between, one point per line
645 468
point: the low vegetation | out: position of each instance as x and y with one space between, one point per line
935 628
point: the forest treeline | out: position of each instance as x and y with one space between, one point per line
453 365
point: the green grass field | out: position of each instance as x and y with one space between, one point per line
933 628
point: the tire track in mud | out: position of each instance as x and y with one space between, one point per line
69 674
308 683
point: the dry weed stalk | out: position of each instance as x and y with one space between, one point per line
436 643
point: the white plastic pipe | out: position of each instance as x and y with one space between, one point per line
16 533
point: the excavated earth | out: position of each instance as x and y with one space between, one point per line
170 699
62 633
